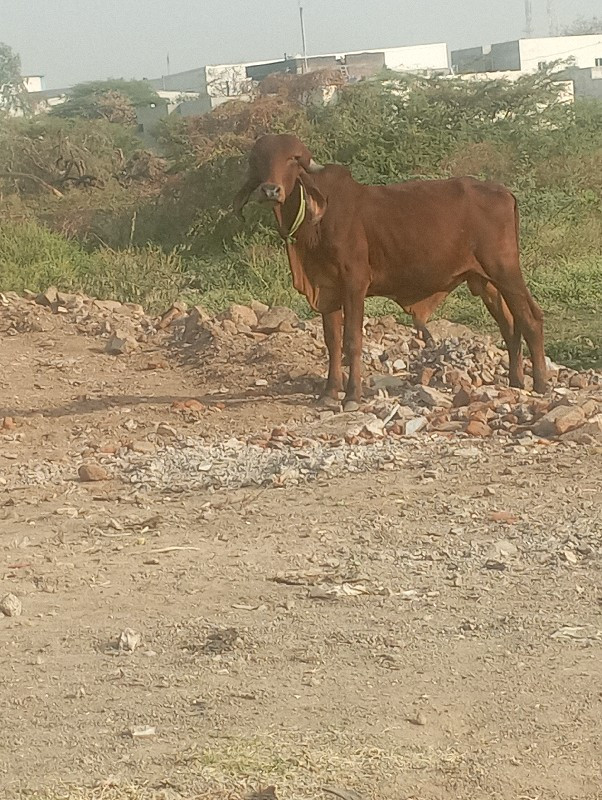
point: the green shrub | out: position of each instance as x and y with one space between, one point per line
33 257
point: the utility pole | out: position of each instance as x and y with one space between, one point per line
303 40
552 20
528 18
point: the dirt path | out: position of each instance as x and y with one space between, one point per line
429 629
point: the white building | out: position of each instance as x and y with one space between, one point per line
218 83
33 83
566 88
412 58
529 55
211 85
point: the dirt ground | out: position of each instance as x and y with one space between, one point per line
459 657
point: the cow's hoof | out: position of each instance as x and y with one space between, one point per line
351 405
540 387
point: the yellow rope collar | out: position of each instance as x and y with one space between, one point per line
299 219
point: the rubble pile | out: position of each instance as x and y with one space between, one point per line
125 326
454 385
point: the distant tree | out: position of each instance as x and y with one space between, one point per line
13 95
582 26
114 100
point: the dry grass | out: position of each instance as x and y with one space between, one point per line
297 765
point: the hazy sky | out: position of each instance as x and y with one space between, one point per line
76 40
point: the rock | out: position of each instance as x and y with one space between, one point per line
107 305
463 397
389 383
456 377
258 307
503 549
67 300
426 375
188 405
388 322
504 516
92 472
135 309
128 640
8 424
432 398
415 425
142 731
476 427
399 365
163 429
374 427
589 406
277 318
177 311
159 364
143 446
229 327
588 433
241 316
578 381
196 317
49 298
419 719
446 426
488 394
559 420
121 343
11 606
570 556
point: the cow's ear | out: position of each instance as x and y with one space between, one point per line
242 198
316 204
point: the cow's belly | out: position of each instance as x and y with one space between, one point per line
411 287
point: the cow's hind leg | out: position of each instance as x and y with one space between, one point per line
511 334
333 328
528 318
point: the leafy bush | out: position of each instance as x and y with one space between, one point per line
112 100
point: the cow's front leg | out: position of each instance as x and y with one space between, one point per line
353 307
333 326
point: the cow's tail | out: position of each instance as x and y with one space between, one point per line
516 223
535 309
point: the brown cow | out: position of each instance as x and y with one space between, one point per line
413 242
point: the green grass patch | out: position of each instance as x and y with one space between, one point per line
255 267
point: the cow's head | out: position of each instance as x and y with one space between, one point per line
276 163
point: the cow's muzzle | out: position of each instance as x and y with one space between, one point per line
271 193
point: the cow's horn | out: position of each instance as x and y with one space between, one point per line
314 166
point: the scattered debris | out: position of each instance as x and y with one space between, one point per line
11 606
128 641
578 633
142 731
92 472
221 641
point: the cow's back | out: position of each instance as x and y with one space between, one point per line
422 234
